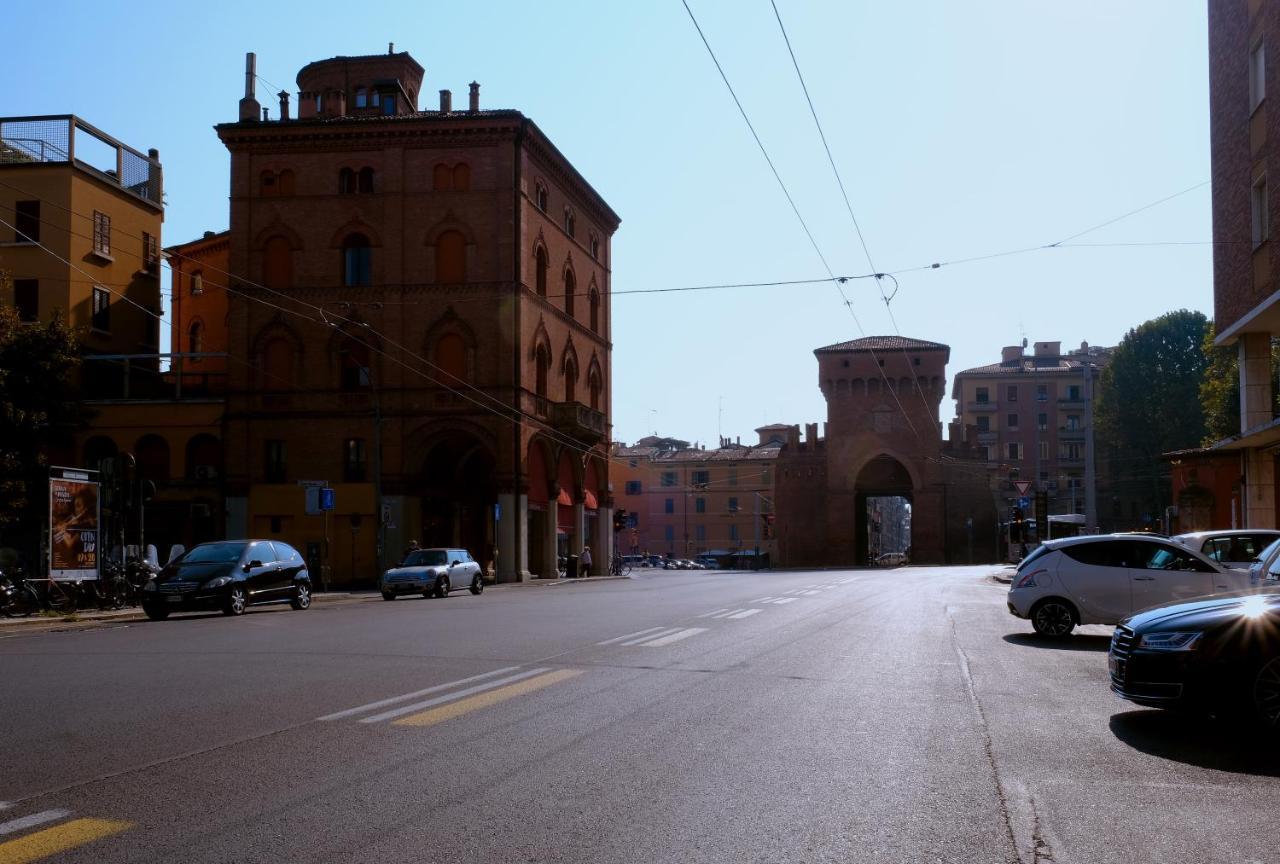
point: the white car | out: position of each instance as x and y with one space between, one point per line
432 573
1237 549
1104 579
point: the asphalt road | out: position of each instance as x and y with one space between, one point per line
895 716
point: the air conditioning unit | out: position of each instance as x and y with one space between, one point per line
206 472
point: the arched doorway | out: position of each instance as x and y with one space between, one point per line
458 495
884 490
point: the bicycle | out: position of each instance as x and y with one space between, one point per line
17 598
619 566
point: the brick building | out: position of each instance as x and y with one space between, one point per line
1033 418
686 502
1243 36
433 333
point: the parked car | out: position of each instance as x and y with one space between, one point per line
708 563
671 564
432 573
1237 549
1218 654
1103 579
891 559
229 575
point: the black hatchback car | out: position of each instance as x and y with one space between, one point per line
1220 655
229 575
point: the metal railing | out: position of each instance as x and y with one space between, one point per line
67 138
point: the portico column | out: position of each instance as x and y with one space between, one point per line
549 569
579 527
603 540
508 563
1255 409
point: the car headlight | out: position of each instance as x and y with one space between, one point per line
218 582
1175 641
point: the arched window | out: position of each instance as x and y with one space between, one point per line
461 177
355 373
451 257
451 358
267 184
593 300
346 181
362 97
277 263
366 180
543 360
570 286
593 385
284 182
595 246
152 453
195 339
569 222
442 178
540 197
540 271
277 365
357 261
197 283
96 449
570 379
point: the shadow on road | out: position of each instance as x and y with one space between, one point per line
1078 642
1198 740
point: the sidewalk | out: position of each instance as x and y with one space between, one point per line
135 613
1004 574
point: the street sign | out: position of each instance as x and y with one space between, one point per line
1024 503
1023 487
328 499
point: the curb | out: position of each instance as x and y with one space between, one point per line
124 616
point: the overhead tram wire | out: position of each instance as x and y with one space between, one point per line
323 318
764 152
844 193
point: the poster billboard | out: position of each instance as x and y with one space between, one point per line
73 524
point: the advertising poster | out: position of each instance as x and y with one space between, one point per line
73 524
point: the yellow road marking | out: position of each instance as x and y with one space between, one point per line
60 838
482 700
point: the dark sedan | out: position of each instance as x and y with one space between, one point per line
1220 655
229 575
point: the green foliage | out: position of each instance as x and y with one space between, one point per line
1220 390
1149 404
38 407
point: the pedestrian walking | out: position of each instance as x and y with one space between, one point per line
584 563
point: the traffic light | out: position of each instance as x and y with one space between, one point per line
1015 525
619 519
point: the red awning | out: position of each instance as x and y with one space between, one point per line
565 498
590 502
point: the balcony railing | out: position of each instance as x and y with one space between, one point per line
578 421
980 407
153 377
66 138
1071 432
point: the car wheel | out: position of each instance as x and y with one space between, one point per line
301 597
1266 694
477 585
387 595
236 601
1053 618
156 613
442 587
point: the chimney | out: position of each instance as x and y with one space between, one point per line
811 433
1010 355
475 98
284 105
264 113
249 105
446 101
391 47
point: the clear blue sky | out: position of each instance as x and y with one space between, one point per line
960 129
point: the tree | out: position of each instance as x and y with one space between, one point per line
39 407
1149 404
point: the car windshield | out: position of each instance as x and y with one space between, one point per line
214 553
425 558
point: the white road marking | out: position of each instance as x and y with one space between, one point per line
794 591
811 593
762 600
727 613
674 637
450 697
665 631
5 805
33 820
415 694
782 600
631 635
710 614
745 613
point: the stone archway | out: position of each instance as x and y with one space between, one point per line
881 479
458 493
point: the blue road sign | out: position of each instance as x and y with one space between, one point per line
327 498
1024 503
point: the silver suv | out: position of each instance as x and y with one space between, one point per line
432 573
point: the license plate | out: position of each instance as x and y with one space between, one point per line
1114 666
175 599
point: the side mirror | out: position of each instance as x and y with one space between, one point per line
454 563
252 565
